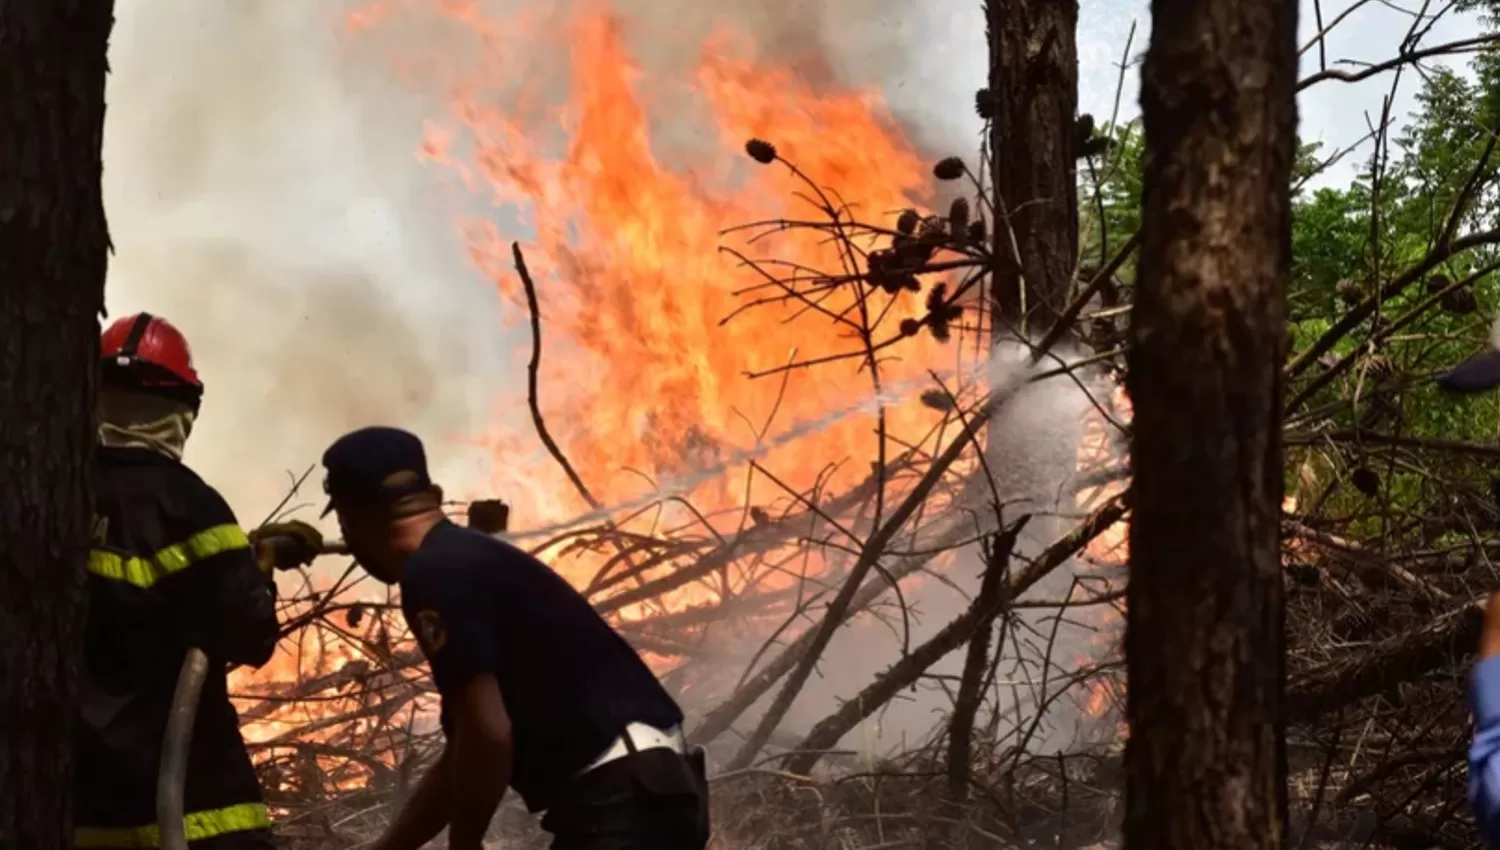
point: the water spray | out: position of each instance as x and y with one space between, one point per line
681 486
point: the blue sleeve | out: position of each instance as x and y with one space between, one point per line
1484 752
447 614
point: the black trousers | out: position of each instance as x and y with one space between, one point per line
250 839
651 800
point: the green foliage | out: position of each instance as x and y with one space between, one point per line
1111 198
1348 243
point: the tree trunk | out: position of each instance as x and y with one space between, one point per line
1031 444
1205 763
53 254
1034 90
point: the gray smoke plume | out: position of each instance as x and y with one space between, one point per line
266 199
1035 471
264 193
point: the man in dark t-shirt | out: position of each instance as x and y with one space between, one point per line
538 692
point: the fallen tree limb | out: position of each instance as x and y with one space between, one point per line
718 721
355 671
1376 438
873 550
827 733
991 603
1355 675
1383 294
1424 756
753 539
1370 565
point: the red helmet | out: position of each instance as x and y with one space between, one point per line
147 352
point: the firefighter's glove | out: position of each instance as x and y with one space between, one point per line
287 545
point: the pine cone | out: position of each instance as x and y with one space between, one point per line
1378 368
958 220
1460 301
984 104
1349 291
1083 130
935 298
937 400
761 151
948 168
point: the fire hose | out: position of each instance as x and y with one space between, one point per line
171 778
490 516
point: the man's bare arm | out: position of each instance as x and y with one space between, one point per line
426 811
482 751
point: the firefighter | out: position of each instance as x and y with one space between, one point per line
538 693
170 569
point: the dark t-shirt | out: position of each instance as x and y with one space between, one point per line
570 683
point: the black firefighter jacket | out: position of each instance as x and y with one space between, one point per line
169 569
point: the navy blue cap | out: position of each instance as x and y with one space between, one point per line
373 467
1478 374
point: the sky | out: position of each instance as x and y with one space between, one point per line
264 192
1337 114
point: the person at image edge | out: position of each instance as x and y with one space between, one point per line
1481 374
1484 752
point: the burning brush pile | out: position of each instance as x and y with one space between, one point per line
795 625
782 492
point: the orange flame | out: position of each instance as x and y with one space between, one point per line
1099 453
634 289
644 373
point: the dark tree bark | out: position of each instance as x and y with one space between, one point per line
1033 92
1033 86
1033 95
53 254
1205 763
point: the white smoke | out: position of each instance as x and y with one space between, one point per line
264 194
1035 469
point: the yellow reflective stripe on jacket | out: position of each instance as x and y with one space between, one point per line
199 825
144 572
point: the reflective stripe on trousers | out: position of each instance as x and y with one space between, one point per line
199 825
144 572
